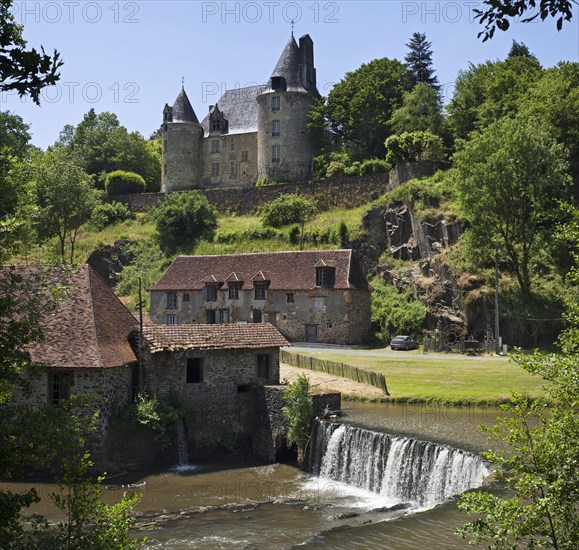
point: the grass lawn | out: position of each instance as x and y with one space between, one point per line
454 380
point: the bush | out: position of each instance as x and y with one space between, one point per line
335 169
413 146
353 170
374 166
287 209
183 218
120 182
109 213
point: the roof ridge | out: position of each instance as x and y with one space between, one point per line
92 311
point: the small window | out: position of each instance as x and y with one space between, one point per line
275 128
210 313
232 146
289 297
215 169
215 124
215 146
232 169
329 325
263 369
222 316
170 300
186 297
278 83
275 153
171 319
59 387
275 103
319 304
211 293
244 156
194 371
257 315
325 277
165 169
259 291
234 292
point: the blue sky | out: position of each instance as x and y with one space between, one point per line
129 57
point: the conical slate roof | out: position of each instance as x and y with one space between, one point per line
288 65
182 109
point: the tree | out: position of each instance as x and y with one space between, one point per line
421 111
101 145
486 92
412 146
510 178
359 107
26 71
64 197
539 463
521 50
298 411
182 218
498 13
120 182
419 62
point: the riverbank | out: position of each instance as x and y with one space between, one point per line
420 378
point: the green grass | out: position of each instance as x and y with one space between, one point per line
456 380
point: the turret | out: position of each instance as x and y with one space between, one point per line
182 137
284 149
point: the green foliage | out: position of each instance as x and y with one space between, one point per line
419 63
374 166
109 213
395 312
421 111
120 182
359 107
412 146
287 209
298 412
498 15
539 461
510 177
161 417
486 92
264 182
64 197
101 145
183 218
26 71
353 170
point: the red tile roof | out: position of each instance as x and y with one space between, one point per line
202 336
89 329
294 270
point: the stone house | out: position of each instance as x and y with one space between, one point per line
252 132
211 369
309 295
85 346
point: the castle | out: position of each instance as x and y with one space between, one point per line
250 133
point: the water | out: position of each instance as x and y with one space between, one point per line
182 450
251 506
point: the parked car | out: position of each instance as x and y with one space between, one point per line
403 342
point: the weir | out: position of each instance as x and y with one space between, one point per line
401 469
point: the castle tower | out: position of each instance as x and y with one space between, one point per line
284 151
182 139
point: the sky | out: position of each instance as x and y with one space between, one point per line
129 57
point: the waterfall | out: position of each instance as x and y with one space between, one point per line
398 468
182 448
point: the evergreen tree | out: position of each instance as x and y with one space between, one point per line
419 62
521 50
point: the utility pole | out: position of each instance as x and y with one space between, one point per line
497 339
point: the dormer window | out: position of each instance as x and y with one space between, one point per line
260 291
325 277
215 124
278 83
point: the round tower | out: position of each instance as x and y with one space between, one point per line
284 151
182 138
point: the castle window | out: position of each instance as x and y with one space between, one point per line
215 146
215 124
165 145
215 169
59 387
186 297
171 319
278 83
165 169
275 153
194 371
244 156
275 128
217 316
234 291
232 170
275 103
319 304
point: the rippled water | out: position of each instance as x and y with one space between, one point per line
247 506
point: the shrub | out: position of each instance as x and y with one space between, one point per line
183 218
120 182
374 166
412 146
294 234
287 209
335 169
109 213
353 170
298 412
